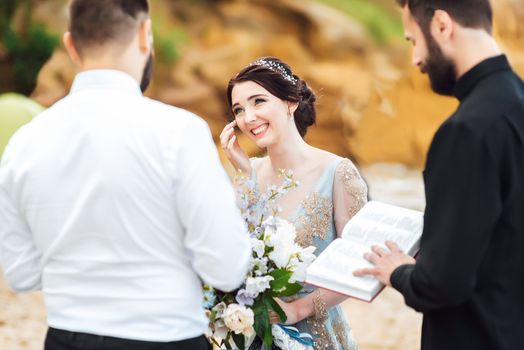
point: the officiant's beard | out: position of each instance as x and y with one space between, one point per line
147 73
440 69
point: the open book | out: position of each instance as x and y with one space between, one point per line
374 224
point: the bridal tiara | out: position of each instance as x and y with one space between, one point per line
277 68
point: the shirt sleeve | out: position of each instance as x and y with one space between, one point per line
463 206
350 193
215 233
19 256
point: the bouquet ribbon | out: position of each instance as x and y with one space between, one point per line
302 338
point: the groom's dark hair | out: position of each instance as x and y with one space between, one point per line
476 14
98 22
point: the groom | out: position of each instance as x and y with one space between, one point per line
469 279
116 206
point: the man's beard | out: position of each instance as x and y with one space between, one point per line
440 69
147 73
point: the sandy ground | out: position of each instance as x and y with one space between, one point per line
385 324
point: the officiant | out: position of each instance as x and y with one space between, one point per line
469 278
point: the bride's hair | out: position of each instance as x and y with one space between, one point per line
277 77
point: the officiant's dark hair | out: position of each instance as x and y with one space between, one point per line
476 14
276 76
97 22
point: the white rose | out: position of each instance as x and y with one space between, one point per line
239 319
257 285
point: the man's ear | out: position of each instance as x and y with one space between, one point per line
145 37
67 39
442 26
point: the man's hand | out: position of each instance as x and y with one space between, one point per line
385 262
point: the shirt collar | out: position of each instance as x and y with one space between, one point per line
105 79
471 78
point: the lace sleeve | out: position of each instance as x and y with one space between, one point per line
350 193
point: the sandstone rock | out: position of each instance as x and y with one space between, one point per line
403 131
55 79
331 34
371 103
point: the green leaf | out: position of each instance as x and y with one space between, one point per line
239 341
262 325
268 338
280 279
226 341
290 289
272 304
261 318
280 286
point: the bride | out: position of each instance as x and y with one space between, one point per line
274 108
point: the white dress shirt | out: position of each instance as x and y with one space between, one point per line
117 207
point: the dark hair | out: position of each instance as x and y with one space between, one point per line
476 14
276 77
97 22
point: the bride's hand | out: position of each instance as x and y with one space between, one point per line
235 154
291 311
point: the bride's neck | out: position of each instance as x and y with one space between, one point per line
288 154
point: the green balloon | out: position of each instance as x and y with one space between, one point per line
15 111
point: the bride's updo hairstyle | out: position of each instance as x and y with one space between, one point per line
276 77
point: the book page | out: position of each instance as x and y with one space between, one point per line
372 225
380 222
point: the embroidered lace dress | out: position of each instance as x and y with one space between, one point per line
325 208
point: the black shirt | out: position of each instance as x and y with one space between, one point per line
469 277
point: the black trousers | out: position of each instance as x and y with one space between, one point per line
58 339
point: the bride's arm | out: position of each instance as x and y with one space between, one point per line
350 194
315 304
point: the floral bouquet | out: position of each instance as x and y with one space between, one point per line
278 265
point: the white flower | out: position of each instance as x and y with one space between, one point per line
286 231
257 285
258 247
259 266
221 329
281 254
219 309
306 255
239 319
269 235
284 246
299 274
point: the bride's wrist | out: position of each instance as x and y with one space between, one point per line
304 308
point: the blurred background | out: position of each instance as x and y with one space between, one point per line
373 106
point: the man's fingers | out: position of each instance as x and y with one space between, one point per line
372 258
393 247
379 250
370 271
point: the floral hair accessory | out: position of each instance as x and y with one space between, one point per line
275 67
